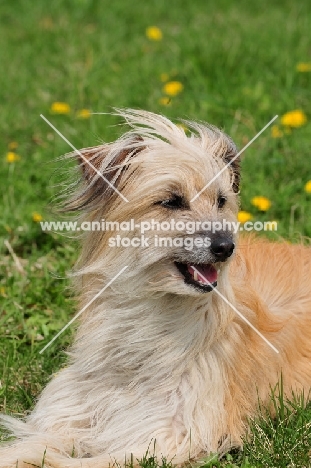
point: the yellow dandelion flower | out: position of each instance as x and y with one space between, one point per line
164 77
60 108
276 132
13 145
172 88
36 217
12 157
294 118
2 291
154 33
165 101
84 114
303 67
244 216
262 203
308 187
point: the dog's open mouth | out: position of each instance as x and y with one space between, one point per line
201 276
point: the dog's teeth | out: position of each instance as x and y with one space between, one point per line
195 276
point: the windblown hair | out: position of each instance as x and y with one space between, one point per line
104 166
157 358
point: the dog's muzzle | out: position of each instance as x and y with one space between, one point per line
203 275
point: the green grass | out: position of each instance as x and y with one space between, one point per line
237 62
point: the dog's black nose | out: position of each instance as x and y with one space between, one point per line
222 248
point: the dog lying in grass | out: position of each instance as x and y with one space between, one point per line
184 338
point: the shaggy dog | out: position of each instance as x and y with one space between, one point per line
161 355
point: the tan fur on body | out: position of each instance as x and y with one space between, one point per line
154 358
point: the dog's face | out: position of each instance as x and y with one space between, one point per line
177 243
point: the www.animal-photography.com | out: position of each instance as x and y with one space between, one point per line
155 282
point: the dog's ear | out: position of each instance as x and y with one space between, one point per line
230 158
102 169
91 163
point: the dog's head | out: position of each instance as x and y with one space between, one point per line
169 198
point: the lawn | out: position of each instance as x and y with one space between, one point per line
239 64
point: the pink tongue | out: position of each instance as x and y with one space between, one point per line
205 273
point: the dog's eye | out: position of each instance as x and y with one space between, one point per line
221 201
175 202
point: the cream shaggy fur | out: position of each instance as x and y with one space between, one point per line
156 359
